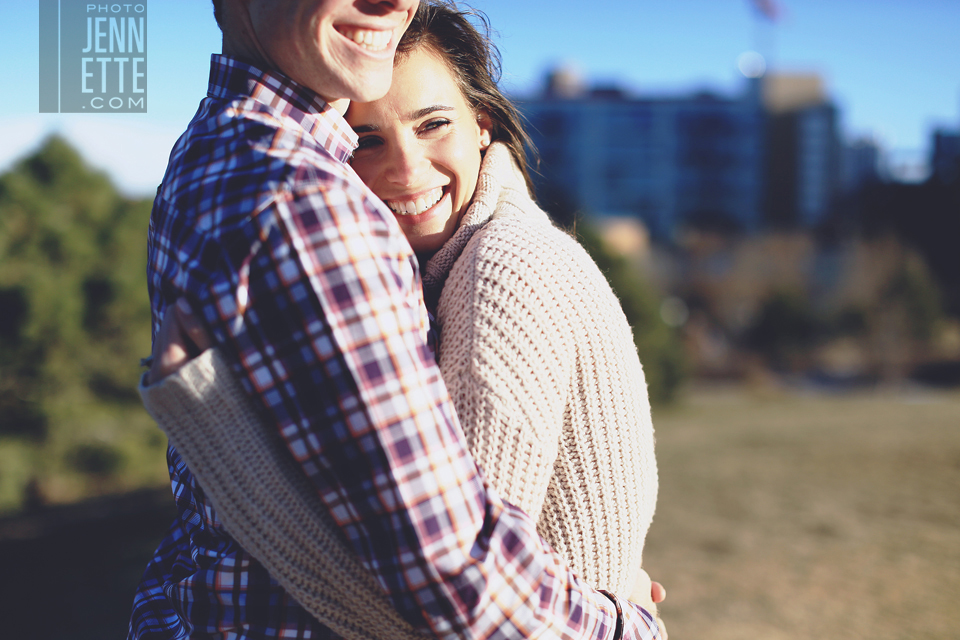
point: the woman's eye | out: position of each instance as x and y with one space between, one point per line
433 125
368 142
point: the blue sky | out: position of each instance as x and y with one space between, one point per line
892 66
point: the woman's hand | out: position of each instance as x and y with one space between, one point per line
648 594
181 338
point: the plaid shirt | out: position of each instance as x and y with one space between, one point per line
304 277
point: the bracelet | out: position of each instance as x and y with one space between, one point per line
618 634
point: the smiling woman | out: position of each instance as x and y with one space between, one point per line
419 149
534 348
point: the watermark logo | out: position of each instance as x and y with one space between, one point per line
93 57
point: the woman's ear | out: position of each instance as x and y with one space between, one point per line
486 129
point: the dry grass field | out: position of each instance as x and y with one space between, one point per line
800 516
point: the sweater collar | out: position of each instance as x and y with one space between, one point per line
500 181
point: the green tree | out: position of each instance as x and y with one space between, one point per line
75 320
915 293
784 328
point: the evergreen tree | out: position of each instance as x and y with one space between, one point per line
74 321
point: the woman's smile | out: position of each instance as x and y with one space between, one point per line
420 212
415 204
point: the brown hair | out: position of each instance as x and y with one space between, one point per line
475 63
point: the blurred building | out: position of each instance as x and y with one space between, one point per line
945 159
860 165
666 161
803 151
769 157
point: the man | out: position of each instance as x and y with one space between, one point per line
306 281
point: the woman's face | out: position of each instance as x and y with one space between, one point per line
420 149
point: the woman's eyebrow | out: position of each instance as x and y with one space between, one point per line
419 113
365 128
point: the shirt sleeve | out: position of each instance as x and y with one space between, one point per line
317 298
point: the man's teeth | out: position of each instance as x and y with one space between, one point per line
373 40
414 207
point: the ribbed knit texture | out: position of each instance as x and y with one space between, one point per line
265 502
541 365
542 369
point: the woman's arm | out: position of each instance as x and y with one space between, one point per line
507 364
274 513
218 431
541 367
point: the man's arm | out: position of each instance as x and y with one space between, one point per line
318 303
275 513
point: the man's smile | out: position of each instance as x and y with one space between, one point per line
370 39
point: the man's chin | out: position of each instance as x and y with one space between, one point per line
364 86
369 96
372 87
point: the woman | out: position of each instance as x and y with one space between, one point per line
533 346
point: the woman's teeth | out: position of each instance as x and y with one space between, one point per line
372 40
418 206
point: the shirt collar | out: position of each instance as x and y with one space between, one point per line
231 78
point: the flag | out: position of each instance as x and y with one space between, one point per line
769 9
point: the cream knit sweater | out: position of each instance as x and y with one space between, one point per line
542 369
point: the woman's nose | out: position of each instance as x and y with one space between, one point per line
406 164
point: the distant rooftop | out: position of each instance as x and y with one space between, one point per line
783 92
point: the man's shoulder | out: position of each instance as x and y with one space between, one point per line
241 149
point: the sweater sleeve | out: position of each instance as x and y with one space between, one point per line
264 502
542 369
504 358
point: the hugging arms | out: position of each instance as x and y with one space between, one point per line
312 292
